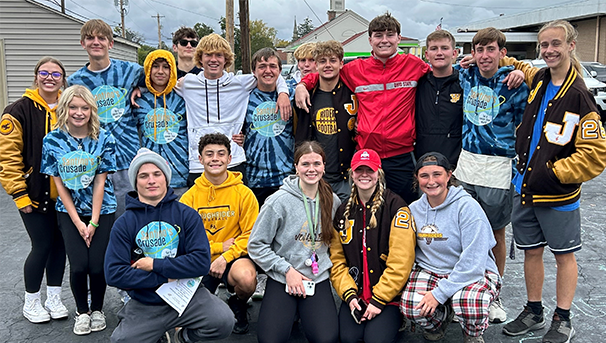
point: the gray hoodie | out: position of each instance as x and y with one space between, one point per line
280 237
453 238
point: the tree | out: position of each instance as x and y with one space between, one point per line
203 29
305 27
261 36
281 43
143 51
131 35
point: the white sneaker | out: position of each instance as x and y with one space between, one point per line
82 325
260 289
497 312
97 321
33 310
53 303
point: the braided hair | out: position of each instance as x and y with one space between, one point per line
377 200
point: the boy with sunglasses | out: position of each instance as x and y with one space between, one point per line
185 40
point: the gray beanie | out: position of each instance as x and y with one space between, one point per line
144 155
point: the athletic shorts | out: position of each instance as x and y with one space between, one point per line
535 227
496 203
211 283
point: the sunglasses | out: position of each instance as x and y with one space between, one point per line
184 42
55 75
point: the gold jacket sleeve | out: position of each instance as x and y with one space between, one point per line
11 161
344 284
589 160
402 243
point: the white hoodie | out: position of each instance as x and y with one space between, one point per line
217 106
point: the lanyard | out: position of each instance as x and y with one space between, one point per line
312 225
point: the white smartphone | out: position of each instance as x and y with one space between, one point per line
309 286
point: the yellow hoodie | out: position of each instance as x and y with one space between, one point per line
228 210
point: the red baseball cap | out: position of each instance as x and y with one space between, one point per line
366 157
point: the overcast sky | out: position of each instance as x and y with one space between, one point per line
418 17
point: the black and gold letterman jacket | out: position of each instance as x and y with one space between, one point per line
23 125
390 250
572 148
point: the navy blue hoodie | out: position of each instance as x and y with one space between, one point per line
170 232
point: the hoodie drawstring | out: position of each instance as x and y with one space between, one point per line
218 107
206 92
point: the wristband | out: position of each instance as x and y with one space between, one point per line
93 224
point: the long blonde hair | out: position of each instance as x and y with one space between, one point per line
63 109
377 200
571 35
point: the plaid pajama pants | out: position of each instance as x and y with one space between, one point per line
470 304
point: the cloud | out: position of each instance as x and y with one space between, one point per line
418 17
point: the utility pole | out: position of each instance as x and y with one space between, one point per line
122 16
245 36
229 26
63 6
158 16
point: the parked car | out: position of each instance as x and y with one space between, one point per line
288 70
597 88
596 69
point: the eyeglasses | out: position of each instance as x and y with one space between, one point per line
55 75
184 42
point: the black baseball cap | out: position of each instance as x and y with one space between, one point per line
441 161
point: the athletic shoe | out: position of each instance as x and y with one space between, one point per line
55 307
561 331
438 334
497 312
82 325
526 321
33 310
470 339
97 321
260 289
240 309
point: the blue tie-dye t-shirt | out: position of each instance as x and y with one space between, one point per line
112 89
77 161
269 142
164 131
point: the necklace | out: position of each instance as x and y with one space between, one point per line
313 260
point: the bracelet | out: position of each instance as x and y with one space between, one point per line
93 224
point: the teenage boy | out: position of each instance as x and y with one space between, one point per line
385 86
161 116
228 209
331 118
439 100
111 82
185 40
216 101
306 63
492 112
156 241
269 142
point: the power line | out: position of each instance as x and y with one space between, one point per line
183 9
320 21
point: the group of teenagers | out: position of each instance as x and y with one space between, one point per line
391 184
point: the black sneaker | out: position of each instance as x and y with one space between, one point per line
240 309
526 321
561 331
438 334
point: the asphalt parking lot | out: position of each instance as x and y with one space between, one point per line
589 307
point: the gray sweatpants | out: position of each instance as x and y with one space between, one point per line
206 318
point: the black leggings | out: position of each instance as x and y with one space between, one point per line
318 314
84 261
381 329
48 251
